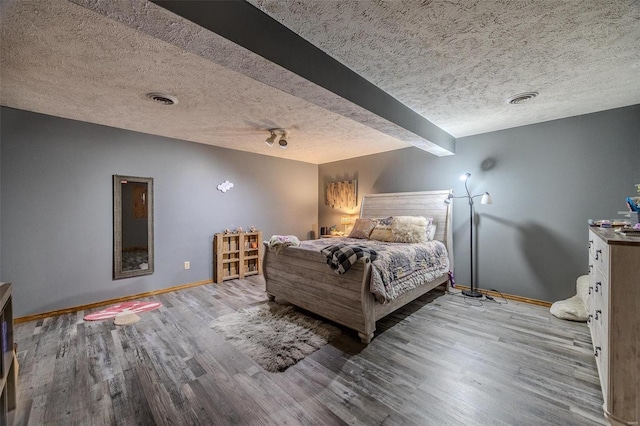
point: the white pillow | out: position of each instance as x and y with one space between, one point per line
570 309
382 230
410 229
431 232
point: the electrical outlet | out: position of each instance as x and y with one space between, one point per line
187 265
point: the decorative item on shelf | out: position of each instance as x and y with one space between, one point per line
227 231
239 229
333 230
252 229
342 195
633 204
486 199
629 231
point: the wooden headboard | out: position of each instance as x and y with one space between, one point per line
426 203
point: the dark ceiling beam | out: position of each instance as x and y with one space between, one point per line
247 26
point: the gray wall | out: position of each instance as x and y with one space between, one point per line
547 180
56 201
56 216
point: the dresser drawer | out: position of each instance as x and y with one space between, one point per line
598 287
601 316
598 320
598 296
601 352
598 254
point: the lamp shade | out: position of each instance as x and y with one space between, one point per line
346 220
486 199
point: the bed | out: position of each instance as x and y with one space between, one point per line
301 276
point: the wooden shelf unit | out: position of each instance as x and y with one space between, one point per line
8 363
237 255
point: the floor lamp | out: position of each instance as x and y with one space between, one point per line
486 199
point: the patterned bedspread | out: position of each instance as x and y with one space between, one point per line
399 267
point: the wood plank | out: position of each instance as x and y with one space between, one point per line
436 360
73 309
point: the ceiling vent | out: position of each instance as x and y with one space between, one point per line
163 99
521 98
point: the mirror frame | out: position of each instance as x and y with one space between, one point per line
118 273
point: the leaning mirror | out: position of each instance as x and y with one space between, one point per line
132 226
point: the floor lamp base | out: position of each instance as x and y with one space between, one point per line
471 293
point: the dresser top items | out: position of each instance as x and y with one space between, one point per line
610 236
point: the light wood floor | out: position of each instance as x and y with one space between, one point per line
442 360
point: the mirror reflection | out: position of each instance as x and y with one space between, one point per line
133 226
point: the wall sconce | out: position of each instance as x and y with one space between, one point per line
277 135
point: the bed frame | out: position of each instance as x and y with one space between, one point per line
303 278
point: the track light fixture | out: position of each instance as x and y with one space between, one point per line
283 142
279 135
271 139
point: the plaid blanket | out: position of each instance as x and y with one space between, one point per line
340 257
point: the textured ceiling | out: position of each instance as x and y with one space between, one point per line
61 59
455 63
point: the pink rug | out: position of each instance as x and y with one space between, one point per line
134 307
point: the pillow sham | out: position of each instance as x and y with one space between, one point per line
410 229
432 231
382 230
362 228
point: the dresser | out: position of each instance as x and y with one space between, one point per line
614 321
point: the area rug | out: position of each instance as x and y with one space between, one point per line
274 336
133 307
